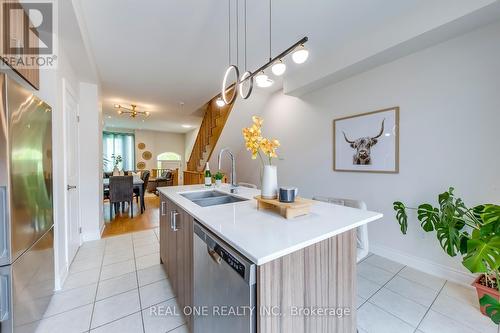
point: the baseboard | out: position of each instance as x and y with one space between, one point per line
423 265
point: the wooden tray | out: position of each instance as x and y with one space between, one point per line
287 210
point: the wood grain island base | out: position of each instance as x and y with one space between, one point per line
313 289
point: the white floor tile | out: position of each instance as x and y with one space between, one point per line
116 307
117 257
76 280
117 285
150 240
399 306
359 301
163 317
144 250
375 320
424 279
74 321
367 288
71 299
117 269
117 249
463 313
151 274
412 290
148 261
384 263
100 243
129 324
143 234
155 293
182 329
437 323
85 265
466 294
374 274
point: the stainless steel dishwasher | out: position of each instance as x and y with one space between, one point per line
224 287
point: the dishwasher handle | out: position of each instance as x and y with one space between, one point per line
214 255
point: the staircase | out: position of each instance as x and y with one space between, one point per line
210 131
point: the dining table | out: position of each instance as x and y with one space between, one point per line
138 184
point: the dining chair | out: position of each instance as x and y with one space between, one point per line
362 232
145 178
121 190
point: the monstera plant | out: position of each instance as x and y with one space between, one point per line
473 233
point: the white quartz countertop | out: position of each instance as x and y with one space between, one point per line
262 235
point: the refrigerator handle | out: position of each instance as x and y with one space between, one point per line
4 298
3 222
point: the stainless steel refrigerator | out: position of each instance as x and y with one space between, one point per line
26 214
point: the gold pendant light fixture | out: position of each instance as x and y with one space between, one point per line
277 64
132 111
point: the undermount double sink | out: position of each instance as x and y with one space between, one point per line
211 198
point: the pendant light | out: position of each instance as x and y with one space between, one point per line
263 81
300 55
220 103
279 68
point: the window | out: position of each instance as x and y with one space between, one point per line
122 144
168 160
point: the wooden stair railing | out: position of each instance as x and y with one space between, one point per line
210 130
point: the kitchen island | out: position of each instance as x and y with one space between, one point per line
305 268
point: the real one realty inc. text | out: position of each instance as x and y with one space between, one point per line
242 311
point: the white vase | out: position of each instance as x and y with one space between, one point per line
116 171
270 182
218 182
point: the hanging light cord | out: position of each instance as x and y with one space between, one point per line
245 11
237 34
229 29
270 30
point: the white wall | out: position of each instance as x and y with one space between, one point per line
157 143
450 111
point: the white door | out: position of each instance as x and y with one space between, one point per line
70 110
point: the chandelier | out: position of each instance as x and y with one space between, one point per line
132 111
277 64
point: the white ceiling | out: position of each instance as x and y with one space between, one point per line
159 53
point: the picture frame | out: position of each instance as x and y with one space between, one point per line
367 142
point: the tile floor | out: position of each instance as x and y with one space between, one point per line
117 285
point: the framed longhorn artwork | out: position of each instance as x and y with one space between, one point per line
367 142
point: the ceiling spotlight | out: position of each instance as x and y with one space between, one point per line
220 103
109 117
117 106
263 80
186 126
120 111
279 68
300 55
147 113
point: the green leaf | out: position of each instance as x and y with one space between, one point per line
490 214
483 254
401 216
492 307
428 217
448 235
463 243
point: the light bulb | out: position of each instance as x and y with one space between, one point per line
263 80
220 103
300 56
279 68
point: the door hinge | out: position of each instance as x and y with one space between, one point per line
78 119
80 229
